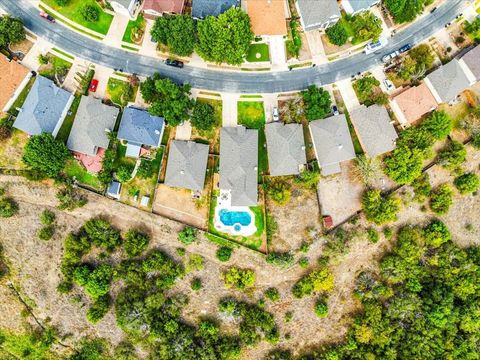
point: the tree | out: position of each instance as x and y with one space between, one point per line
337 34
238 278
404 10
453 155
404 165
135 242
436 233
226 38
70 199
145 169
380 209
101 233
46 154
11 31
467 183
175 31
90 12
317 102
203 117
441 199
95 281
321 308
99 309
8 207
365 26
124 173
167 99
422 187
439 124
368 91
319 280
187 235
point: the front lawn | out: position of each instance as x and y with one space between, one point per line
258 53
135 30
211 136
72 11
55 69
251 114
64 131
121 92
74 168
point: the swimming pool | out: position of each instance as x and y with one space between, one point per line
235 218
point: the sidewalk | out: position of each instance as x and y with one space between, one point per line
115 32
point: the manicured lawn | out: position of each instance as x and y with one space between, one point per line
258 53
21 97
139 23
211 136
72 11
74 168
120 92
56 67
251 114
64 131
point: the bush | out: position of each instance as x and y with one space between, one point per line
196 284
467 183
441 199
476 141
70 199
145 169
187 235
372 235
224 253
8 207
135 242
102 234
308 178
337 34
203 117
404 165
180 251
47 217
62 2
96 282
280 259
436 233
453 155
125 351
303 262
99 309
90 13
388 233
317 103
422 188
124 173
279 191
272 294
194 263
46 232
317 280
321 308
380 209
439 125
238 278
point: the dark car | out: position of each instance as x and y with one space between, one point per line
335 110
47 17
405 48
175 63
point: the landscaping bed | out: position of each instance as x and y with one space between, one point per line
56 69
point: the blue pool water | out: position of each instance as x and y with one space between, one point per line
236 218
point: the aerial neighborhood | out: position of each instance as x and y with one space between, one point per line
239 179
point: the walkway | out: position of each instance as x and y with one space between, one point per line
115 32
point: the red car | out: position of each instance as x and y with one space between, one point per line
93 85
47 17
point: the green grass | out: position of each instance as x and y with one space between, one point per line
131 48
68 122
132 24
250 96
262 154
117 90
255 49
56 67
251 114
64 53
74 168
24 345
72 11
356 142
21 97
166 135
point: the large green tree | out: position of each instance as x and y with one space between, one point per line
226 38
317 102
11 30
46 154
175 31
405 10
203 117
365 26
380 209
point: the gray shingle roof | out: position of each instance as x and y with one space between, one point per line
203 8
449 80
472 59
139 127
332 142
286 148
372 125
89 130
186 166
358 5
239 164
315 13
44 106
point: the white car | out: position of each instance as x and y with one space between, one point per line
387 58
275 114
389 85
377 45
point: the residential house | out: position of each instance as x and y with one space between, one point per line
203 8
332 143
187 164
44 108
267 17
140 130
353 7
155 8
318 15
239 165
286 148
448 81
126 7
374 129
472 62
413 103
13 77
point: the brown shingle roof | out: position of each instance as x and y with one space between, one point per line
416 102
11 75
267 16
164 6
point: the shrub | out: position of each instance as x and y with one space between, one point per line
8 207
224 253
187 235
453 155
303 262
124 173
467 183
46 232
43 59
70 199
404 165
304 247
422 188
96 282
196 284
372 235
321 308
101 233
441 199
380 209
436 233
288 316
203 117
476 141
99 309
308 178
317 280
272 294
280 259
388 233
62 2
47 217
194 263
238 278
125 351
180 251
135 242
337 34
317 103
90 13
279 191
145 169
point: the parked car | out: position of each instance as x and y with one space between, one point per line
405 48
389 57
275 114
389 84
433 10
374 46
47 17
93 85
174 63
335 110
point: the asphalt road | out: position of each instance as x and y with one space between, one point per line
227 81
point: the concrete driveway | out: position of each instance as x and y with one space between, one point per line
348 94
277 50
